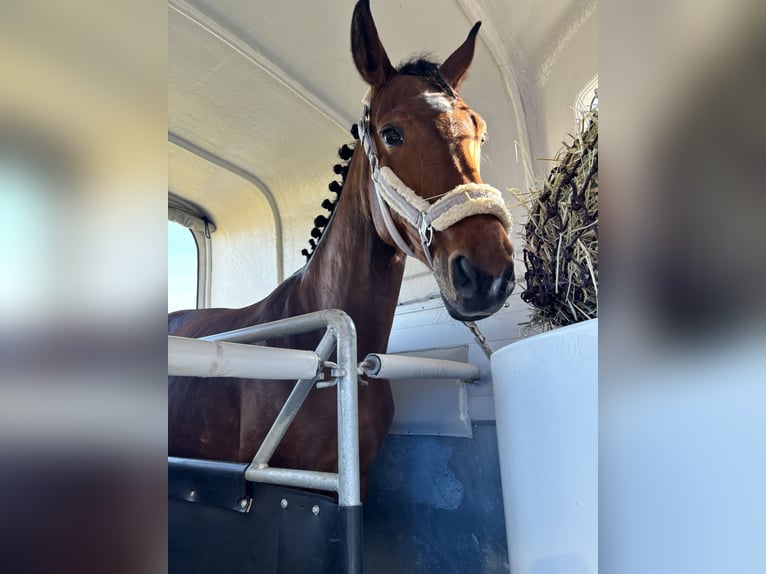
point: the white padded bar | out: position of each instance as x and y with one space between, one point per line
380 366
198 358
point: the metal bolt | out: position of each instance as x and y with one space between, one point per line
283 503
315 509
193 494
327 384
243 503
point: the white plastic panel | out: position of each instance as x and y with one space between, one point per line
426 324
432 406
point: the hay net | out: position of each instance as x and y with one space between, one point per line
561 233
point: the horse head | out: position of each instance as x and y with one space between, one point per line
427 198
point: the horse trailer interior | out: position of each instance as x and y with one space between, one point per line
261 97
387 348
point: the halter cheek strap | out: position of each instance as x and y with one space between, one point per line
393 194
393 231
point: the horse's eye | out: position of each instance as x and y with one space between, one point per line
392 137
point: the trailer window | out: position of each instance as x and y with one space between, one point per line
182 268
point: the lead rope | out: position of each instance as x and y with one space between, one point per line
480 338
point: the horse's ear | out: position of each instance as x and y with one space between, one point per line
369 55
455 67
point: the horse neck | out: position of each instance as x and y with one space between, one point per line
353 269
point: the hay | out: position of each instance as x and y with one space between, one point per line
561 233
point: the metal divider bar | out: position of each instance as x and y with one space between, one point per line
293 477
280 328
348 412
287 414
340 334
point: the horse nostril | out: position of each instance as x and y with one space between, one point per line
464 277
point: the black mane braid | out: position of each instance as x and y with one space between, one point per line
321 222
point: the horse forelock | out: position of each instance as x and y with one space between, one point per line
428 70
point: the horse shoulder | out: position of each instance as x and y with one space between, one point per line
286 300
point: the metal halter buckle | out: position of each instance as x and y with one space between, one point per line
426 231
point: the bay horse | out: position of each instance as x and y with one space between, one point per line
412 188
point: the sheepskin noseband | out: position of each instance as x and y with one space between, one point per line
393 194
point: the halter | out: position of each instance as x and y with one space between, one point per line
392 193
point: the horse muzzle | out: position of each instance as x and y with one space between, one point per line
474 294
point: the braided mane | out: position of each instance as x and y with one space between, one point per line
321 221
